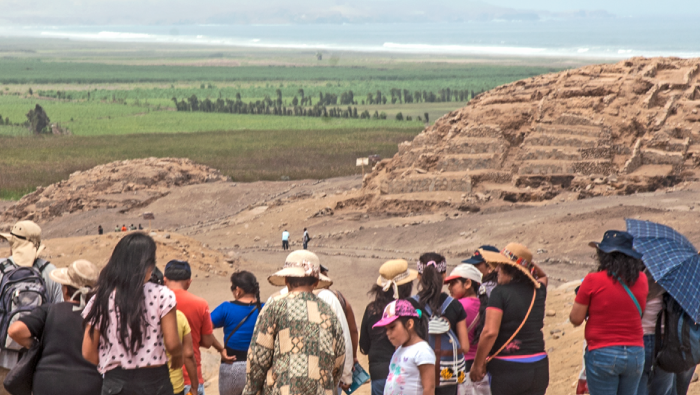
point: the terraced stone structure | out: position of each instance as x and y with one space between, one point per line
603 129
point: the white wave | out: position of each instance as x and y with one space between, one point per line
462 49
583 50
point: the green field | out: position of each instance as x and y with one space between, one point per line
246 155
116 100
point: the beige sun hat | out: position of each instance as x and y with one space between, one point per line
25 242
516 255
80 274
300 263
394 273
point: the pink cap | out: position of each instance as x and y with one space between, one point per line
394 310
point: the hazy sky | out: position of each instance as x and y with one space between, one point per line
161 12
618 7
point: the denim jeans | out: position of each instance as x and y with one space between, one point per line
614 370
660 382
378 387
682 381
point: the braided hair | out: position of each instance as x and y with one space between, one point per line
248 283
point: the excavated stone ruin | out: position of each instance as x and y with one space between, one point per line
598 130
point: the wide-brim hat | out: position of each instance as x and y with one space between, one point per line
79 274
25 242
300 263
396 270
516 255
617 241
465 271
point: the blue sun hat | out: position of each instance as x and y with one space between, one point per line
617 241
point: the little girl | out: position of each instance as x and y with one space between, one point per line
412 368
463 283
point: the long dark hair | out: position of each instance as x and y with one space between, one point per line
248 283
620 265
383 298
430 286
124 275
420 325
517 275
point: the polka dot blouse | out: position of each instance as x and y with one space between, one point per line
159 301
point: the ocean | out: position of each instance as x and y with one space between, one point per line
613 37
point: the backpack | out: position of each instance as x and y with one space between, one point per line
22 289
678 348
450 366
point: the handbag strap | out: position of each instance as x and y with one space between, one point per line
474 322
629 292
532 303
239 325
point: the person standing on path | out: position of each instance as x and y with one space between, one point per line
100 230
306 238
463 283
61 368
512 341
285 240
395 282
238 319
129 348
25 248
298 346
178 277
613 299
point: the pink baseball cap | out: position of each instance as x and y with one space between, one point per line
394 310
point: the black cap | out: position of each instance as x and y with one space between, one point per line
617 241
477 259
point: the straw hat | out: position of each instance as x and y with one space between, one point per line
394 273
25 241
300 263
79 274
516 255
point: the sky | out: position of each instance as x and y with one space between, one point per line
163 12
617 7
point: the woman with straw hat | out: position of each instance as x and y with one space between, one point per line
395 282
512 342
61 369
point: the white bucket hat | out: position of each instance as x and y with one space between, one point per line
25 242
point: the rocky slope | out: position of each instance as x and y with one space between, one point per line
598 130
125 185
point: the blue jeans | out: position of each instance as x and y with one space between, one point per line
378 387
682 381
660 382
614 370
200 389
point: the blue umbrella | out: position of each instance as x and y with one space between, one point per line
672 260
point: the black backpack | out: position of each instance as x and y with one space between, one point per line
22 289
677 349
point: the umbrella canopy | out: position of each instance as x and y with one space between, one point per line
672 260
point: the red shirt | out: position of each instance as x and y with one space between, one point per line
613 317
196 310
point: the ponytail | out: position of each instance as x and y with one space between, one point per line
430 289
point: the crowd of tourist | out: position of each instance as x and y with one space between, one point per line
130 329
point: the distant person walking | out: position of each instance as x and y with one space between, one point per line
61 368
306 239
123 345
238 319
117 228
395 282
613 299
100 230
285 240
124 228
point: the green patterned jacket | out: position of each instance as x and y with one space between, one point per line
297 348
